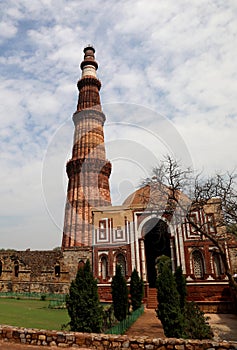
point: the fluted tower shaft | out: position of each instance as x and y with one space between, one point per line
88 170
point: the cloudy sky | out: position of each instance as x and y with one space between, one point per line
169 75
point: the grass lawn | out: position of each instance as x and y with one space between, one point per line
31 314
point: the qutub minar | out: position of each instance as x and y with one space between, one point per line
88 171
133 234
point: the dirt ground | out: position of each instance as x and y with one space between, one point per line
147 324
224 327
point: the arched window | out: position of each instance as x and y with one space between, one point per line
104 267
217 264
198 265
120 260
57 270
0 268
80 264
16 268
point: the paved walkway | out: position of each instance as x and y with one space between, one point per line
147 324
224 326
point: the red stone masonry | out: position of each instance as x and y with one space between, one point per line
88 170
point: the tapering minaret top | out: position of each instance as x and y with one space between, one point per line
89 65
89 85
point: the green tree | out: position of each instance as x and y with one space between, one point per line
181 286
119 295
83 303
178 317
136 290
169 311
197 326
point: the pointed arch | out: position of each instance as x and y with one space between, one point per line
120 260
198 264
217 264
157 242
104 267
81 264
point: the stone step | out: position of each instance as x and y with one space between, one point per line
152 298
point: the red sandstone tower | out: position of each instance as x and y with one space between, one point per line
88 170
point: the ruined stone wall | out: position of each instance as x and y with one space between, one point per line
105 341
40 271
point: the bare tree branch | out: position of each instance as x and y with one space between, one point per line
175 191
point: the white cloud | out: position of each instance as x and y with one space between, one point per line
7 30
176 58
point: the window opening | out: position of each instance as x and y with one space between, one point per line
104 267
198 267
121 261
16 268
217 264
57 270
81 264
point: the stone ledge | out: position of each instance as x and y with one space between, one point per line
105 341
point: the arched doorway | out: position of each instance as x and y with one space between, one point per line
157 243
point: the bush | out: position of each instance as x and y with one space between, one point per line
179 318
119 295
169 311
197 326
181 286
136 290
83 303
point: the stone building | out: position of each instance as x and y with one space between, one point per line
134 234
